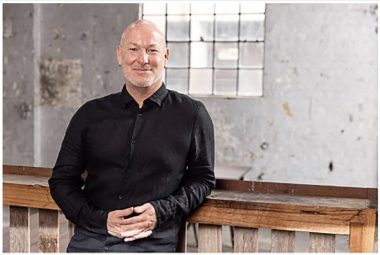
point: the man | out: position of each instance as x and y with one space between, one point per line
148 153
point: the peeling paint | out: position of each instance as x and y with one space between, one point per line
7 26
61 82
24 110
287 109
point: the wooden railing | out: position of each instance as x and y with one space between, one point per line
322 211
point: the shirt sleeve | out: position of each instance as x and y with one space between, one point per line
66 181
199 177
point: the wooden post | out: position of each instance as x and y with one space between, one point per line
19 229
321 242
48 234
209 238
283 241
246 239
362 234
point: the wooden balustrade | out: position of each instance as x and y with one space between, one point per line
245 206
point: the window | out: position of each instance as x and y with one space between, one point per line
217 49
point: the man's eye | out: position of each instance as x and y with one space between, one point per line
152 51
132 49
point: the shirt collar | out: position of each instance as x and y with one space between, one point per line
158 96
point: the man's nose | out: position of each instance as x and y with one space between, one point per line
143 57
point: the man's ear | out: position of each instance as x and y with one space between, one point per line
119 54
167 54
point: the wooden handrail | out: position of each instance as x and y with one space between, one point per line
244 205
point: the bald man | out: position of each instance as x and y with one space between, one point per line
148 152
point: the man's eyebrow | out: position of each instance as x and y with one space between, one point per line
150 45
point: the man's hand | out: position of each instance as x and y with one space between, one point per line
116 222
133 228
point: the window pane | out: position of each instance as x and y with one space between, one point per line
202 8
226 27
179 54
178 28
178 8
158 20
252 27
176 79
251 54
154 8
227 7
202 28
250 82
226 55
252 7
200 82
201 54
225 82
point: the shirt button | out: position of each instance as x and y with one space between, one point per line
139 115
120 197
133 141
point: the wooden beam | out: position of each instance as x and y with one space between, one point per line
362 232
319 242
27 170
28 196
19 229
246 239
209 238
48 234
283 241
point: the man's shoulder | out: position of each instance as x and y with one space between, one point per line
184 100
93 106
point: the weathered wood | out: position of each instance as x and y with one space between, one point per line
48 234
209 238
362 232
246 239
182 238
19 229
297 189
27 170
283 241
321 242
28 196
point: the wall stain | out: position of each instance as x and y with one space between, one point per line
331 166
24 110
264 146
260 176
60 82
249 155
286 108
351 118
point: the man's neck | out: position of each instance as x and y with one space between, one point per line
139 94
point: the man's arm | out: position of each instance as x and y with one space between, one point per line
199 178
66 181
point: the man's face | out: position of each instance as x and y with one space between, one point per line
142 56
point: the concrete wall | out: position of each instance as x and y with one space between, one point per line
316 123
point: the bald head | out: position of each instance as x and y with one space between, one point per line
143 25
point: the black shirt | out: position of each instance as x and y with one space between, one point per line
162 153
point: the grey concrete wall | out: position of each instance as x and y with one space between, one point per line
317 120
18 84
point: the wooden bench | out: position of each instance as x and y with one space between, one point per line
322 211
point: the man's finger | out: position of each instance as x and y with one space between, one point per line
139 236
132 233
142 208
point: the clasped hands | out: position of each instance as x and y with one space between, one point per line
135 227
